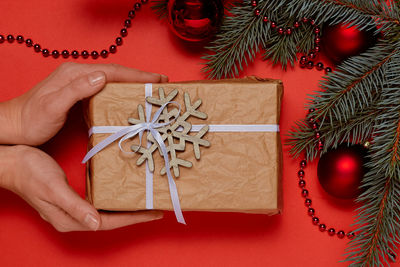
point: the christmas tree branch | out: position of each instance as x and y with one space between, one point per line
371 246
374 9
346 105
353 86
305 38
281 50
363 14
243 33
238 41
284 50
356 130
378 218
160 8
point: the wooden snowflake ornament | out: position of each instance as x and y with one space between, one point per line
174 135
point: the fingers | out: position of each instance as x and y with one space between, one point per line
88 217
86 80
63 222
59 219
112 220
70 212
114 73
62 100
118 73
79 209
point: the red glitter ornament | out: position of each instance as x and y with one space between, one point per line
341 41
341 170
195 20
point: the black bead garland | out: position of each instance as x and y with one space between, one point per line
302 183
307 62
74 53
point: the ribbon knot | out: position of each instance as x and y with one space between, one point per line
128 132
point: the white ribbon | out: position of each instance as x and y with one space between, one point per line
216 128
149 174
125 132
131 131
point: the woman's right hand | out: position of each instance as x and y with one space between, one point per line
40 181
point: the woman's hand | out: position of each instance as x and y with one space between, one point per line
33 119
38 115
39 180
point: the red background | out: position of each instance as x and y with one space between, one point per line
211 239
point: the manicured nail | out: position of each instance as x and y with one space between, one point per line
96 78
92 222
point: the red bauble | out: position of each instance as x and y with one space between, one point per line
195 20
341 170
341 42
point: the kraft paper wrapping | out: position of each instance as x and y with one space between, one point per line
239 172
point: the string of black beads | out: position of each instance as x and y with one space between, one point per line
74 53
305 193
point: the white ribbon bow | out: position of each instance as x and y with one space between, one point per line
131 131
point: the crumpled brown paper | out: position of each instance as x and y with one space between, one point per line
239 172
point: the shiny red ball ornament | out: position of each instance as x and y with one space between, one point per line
341 170
341 42
195 20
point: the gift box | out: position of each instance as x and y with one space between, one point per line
239 165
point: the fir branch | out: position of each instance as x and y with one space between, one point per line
363 14
237 43
354 85
305 39
373 8
346 105
379 216
281 50
242 34
229 4
160 7
356 130
284 50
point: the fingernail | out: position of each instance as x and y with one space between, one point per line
96 78
165 77
91 222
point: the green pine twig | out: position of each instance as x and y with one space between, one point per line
378 219
160 7
237 43
356 130
363 14
355 85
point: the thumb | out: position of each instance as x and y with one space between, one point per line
78 89
78 208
